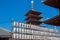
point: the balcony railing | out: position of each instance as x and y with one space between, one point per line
19 36
21 28
22 25
34 32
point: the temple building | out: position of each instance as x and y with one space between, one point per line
23 31
32 30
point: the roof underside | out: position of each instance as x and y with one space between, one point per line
53 21
53 3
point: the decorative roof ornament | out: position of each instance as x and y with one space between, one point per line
32 3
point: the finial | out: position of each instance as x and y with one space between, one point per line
32 2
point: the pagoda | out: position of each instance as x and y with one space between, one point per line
33 17
56 19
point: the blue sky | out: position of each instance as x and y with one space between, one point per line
18 8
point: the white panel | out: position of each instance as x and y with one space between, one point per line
20 30
38 37
37 32
26 26
49 38
17 29
20 36
17 36
20 24
17 24
29 31
35 27
30 36
46 29
34 36
23 25
46 33
23 36
27 36
14 29
32 26
14 24
50 34
32 32
51 30
56 31
23 30
29 26
42 33
14 35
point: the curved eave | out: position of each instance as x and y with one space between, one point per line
28 22
37 16
53 21
34 21
32 12
52 3
33 17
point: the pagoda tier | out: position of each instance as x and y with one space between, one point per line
33 17
33 12
34 22
53 21
53 3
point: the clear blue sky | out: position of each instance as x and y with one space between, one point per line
18 8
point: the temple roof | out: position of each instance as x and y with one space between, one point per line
33 12
4 33
53 21
35 21
53 3
33 16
